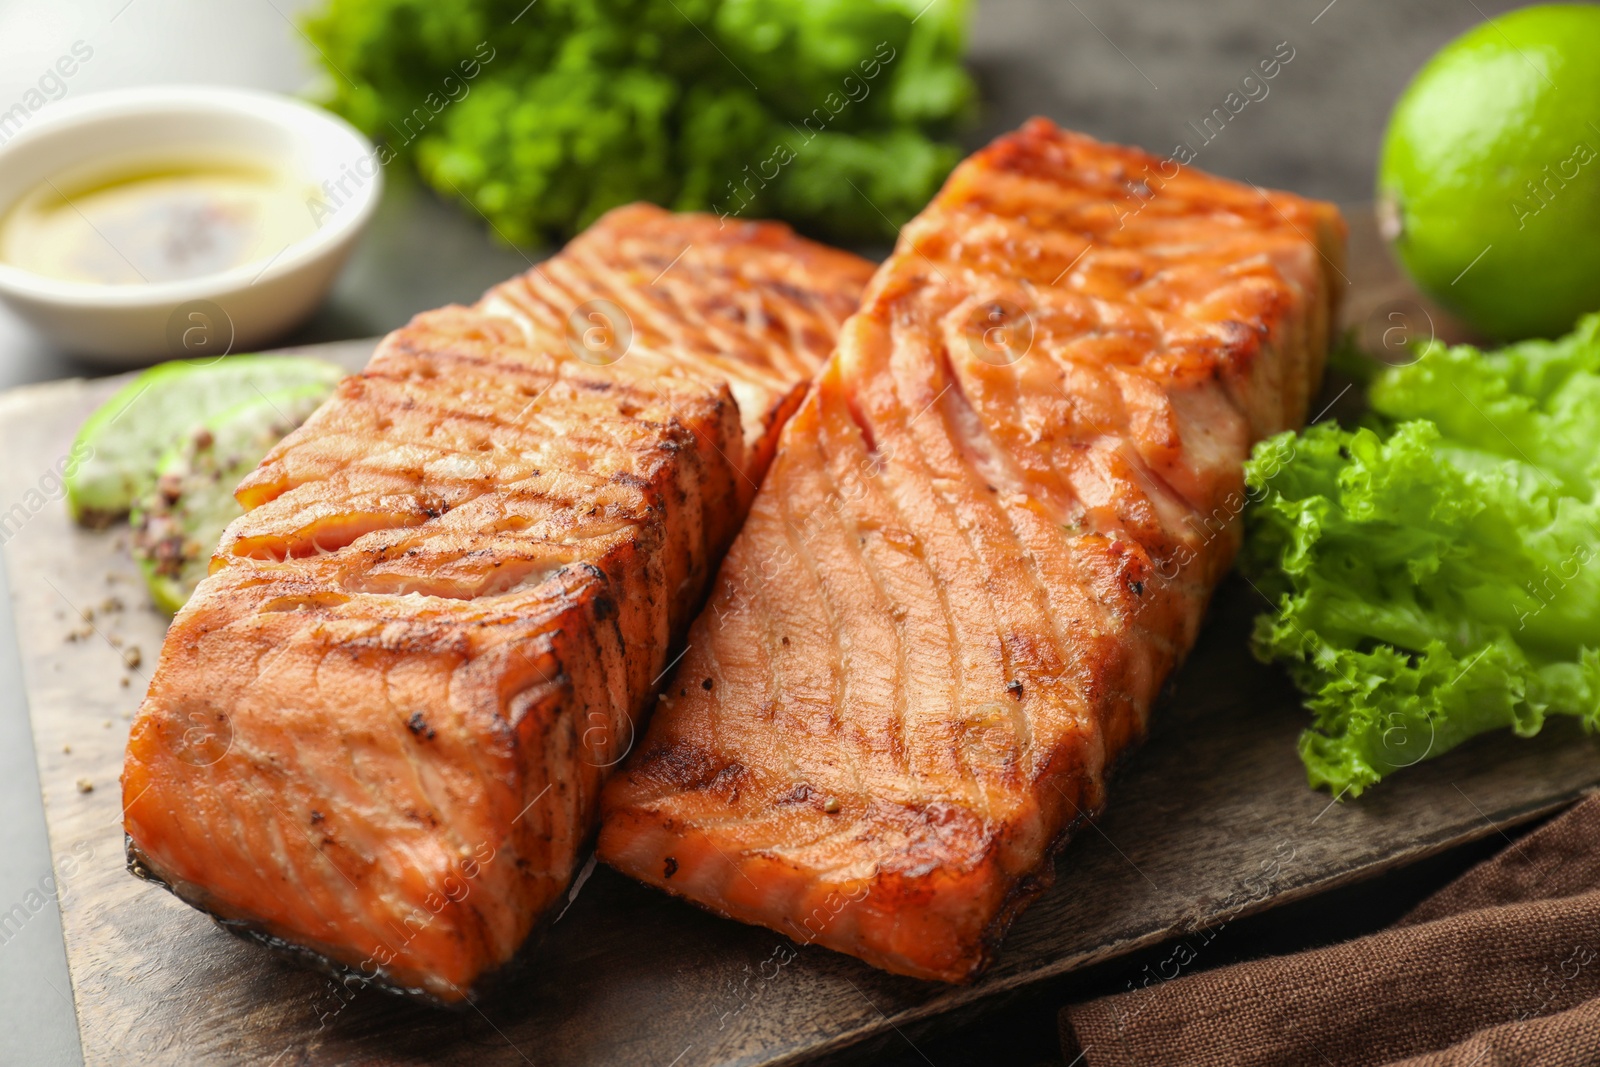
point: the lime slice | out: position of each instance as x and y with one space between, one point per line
125 439
177 523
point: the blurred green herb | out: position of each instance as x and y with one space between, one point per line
828 113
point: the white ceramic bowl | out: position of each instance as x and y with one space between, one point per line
236 309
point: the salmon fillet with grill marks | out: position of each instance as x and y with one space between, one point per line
989 535
377 733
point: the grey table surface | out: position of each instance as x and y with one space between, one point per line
1136 71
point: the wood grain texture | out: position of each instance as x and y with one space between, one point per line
1210 820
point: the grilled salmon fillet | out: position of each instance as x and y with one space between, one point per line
377 733
989 535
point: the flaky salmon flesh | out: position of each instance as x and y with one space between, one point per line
377 733
989 535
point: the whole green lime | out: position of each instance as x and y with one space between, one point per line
1489 182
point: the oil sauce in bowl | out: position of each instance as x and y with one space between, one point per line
125 215
156 221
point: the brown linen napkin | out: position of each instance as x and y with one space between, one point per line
1501 966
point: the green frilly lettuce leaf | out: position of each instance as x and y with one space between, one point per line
1436 578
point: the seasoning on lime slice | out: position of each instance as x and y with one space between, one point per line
177 524
124 440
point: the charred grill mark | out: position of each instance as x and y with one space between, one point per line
633 481
801 793
689 769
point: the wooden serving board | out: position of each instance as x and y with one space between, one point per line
1210 820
